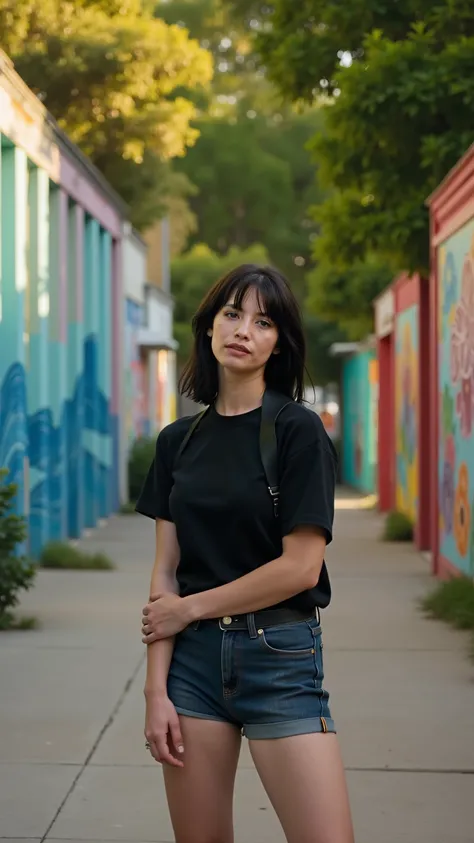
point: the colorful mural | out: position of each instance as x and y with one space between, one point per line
456 398
58 431
406 410
359 429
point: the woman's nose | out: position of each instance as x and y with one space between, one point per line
242 331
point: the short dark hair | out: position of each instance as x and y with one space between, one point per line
284 372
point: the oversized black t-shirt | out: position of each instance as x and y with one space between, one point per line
217 496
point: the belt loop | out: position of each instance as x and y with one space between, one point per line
251 625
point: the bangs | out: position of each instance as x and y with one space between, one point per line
269 297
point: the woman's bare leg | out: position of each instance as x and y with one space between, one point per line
305 781
200 794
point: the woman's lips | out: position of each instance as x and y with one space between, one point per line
238 349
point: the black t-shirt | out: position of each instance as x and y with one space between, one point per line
216 495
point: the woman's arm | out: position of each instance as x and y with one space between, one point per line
163 580
296 570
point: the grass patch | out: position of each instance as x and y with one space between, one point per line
8 622
452 601
128 508
59 555
398 527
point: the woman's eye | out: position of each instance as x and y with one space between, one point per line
231 314
264 323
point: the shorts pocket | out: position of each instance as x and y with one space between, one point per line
295 639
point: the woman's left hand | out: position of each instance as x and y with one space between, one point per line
163 617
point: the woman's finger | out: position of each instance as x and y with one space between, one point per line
165 754
176 736
149 638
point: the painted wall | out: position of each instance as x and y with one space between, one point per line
56 426
456 398
359 424
407 410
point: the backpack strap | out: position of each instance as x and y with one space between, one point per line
273 404
189 433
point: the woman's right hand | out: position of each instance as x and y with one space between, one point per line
162 730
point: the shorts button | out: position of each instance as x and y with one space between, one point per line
227 620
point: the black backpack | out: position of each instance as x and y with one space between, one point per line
273 404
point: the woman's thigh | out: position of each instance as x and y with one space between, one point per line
200 794
305 781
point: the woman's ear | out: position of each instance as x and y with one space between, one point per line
209 332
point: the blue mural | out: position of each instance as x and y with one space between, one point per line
89 428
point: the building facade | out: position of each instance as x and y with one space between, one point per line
452 371
425 350
402 332
61 317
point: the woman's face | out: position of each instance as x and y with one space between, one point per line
243 340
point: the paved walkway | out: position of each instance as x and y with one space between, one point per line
72 761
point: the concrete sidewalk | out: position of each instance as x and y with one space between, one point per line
73 766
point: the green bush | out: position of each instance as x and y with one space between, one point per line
16 574
398 527
140 459
64 556
128 508
452 601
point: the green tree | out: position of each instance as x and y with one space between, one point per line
303 45
254 184
115 79
400 116
403 119
344 294
236 75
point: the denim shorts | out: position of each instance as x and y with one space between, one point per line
268 683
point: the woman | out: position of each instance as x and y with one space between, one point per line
232 625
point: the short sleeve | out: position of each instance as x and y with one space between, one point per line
307 488
154 496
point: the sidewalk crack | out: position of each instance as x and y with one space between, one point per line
96 744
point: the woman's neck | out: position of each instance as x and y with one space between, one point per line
239 395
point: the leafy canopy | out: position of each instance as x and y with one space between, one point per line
398 83
114 78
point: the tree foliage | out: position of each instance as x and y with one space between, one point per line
237 78
255 183
399 114
345 294
303 45
115 79
403 119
